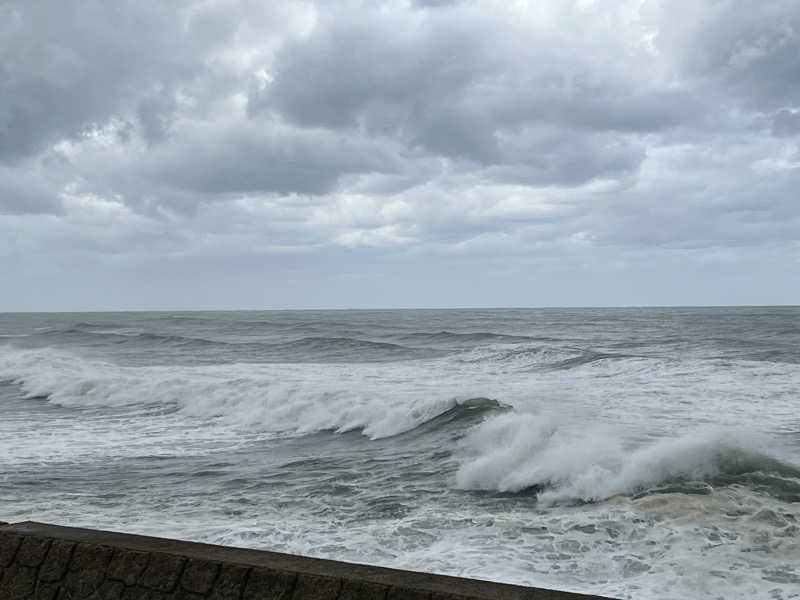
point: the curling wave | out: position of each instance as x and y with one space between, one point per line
527 453
273 398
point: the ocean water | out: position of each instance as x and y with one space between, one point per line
636 453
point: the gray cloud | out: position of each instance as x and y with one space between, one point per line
522 135
264 157
752 52
69 67
786 122
23 192
464 85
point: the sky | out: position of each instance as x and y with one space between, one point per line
223 154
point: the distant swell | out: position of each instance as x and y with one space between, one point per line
452 338
536 357
524 452
312 349
587 358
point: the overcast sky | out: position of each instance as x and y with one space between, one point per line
198 154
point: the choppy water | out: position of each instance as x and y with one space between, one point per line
638 453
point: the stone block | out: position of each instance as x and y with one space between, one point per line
141 593
46 591
87 569
32 551
127 565
268 584
229 583
135 593
352 589
182 594
108 590
443 596
19 583
401 593
162 572
9 544
199 576
316 587
56 562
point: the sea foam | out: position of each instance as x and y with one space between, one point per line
513 452
273 398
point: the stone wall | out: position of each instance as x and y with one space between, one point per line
49 562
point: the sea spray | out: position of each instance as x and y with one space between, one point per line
515 452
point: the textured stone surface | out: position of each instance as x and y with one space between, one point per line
162 572
404 593
47 591
127 565
269 584
108 590
8 548
19 582
47 562
57 561
199 576
87 569
353 589
230 582
138 592
32 551
315 587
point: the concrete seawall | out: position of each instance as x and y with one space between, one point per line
49 562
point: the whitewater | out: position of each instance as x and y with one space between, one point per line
634 453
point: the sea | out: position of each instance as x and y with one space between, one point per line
635 453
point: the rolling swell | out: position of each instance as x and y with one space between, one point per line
303 349
529 357
345 349
587 357
450 338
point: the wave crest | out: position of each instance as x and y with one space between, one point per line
274 398
524 452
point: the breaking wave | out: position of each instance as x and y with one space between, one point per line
273 398
527 453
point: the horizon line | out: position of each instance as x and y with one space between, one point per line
408 308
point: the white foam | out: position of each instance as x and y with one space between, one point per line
277 398
513 452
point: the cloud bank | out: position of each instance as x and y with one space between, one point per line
234 153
